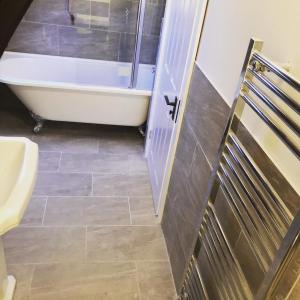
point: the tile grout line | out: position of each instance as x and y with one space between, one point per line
85 245
59 162
88 261
44 213
31 279
90 225
90 28
129 208
137 281
92 187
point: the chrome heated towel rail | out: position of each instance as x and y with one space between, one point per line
267 222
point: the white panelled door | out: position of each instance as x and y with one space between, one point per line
180 37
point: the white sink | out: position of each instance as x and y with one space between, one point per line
18 168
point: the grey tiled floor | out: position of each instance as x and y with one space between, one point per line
89 231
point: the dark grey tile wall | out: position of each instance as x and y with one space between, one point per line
205 119
102 30
204 123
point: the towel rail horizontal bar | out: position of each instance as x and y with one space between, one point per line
248 208
233 262
278 71
197 270
272 125
224 257
286 214
195 281
263 217
244 220
276 90
220 289
283 116
274 215
193 284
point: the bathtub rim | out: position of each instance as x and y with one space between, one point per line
9 80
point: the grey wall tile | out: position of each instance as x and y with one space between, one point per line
249 264
227 218
116 21
100 15
186 148
207 113
149 49
204 123
176 253
94 44
35 38
123 16
54 12
272 173
153 18
127 47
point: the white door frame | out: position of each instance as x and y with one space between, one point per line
189 71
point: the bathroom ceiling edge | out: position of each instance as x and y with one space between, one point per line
11 14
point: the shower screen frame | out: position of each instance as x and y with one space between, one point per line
138 43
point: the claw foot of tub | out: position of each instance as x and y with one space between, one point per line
39 122
38 127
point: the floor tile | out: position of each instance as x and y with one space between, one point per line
42 245
121 144
35 212
110 281
63 184
142 211
103 163
155 281
121 243
99 163
121 185
87 211
23 275
49 161
61 142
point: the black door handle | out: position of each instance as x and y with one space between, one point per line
173 104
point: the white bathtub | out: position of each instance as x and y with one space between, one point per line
78 90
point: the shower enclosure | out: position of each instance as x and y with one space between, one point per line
106 46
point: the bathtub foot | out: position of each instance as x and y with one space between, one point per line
142 129
39 122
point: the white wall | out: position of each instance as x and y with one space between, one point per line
229 25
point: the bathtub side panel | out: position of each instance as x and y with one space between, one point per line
84 106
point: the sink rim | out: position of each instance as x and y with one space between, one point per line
14 207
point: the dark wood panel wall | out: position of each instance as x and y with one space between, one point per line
11 13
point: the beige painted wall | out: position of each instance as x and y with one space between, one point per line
228 28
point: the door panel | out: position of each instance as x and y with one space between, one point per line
180 36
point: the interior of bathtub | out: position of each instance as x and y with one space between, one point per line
108 46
